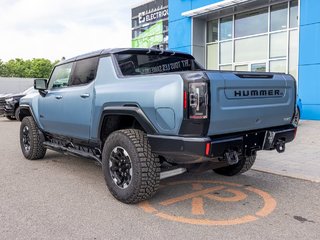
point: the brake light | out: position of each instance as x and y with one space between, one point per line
208 146
185 100
198 100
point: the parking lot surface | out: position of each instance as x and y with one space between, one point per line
63 197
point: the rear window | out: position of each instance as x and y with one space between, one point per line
141 64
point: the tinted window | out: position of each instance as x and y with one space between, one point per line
251 23
85 71
279 17
212 31
258 67
60 76
140 64
226 28
294 14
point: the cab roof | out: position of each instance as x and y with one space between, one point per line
109 51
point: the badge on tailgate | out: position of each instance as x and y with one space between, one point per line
254 93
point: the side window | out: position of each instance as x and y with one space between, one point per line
60 76
85 71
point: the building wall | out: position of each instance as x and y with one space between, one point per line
309 58
309 46
179 26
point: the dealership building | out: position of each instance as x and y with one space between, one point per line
240 35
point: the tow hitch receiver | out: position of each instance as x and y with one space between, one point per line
231 157
280 146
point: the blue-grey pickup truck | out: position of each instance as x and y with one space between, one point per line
148 114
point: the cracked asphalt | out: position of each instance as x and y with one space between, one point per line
63 197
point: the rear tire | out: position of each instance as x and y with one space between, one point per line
296 118
244 165
131 170
31 140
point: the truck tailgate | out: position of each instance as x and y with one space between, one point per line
242 101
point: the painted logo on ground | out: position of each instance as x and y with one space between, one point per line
205 202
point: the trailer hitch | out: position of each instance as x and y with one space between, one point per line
280 146
231 157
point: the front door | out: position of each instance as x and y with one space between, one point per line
67 108
51 105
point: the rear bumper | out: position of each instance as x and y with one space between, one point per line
183 150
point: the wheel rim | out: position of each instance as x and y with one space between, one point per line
26 138
120 167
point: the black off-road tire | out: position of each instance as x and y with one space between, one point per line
244 165
16 114
29 130
296 118
145 166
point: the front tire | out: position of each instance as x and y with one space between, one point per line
244 165
31 140
17 113
131 170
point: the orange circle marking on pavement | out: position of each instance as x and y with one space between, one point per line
197 203
238 196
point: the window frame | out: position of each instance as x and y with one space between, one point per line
74 68
269 33
60 65
74 63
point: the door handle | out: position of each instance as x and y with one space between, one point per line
85 95
58 97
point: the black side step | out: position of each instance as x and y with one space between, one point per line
71 151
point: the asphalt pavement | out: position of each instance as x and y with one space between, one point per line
63 197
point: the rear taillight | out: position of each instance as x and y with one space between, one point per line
198 100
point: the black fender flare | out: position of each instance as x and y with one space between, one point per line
133 111
30 110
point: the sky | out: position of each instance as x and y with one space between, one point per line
54 29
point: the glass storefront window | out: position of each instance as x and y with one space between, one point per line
258 67
278 17
278 45
226 52
212 31
278 66
293 53
226 28
293 14
250 23
244 42
241 67
226 68
251 49
212 56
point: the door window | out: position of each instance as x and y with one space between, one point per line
85 71
60 76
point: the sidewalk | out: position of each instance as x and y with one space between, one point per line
301 158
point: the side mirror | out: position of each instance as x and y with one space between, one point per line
40 84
